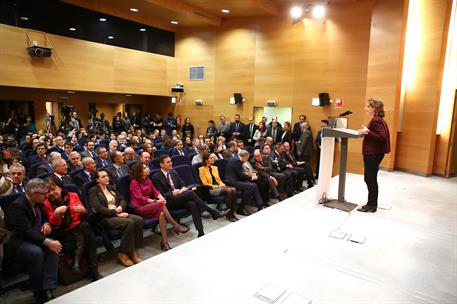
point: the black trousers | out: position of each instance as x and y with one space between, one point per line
249 189
194 204
41 264
132 231
70 238
371 163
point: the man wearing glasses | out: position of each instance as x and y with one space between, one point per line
30 247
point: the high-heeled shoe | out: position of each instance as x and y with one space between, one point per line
367 208
181 229
164 246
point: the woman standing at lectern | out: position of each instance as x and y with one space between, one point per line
376 143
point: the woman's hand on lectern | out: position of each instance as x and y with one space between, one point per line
363 131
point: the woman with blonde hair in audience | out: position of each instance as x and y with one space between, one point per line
209 176
150 204
221 143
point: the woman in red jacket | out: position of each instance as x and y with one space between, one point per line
65 212
376 143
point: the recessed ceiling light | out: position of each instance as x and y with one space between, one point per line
72 29
102 19
174 22
318 11
71 92
133 9
225 11
24 18
110 37
296 12
142 30
128 95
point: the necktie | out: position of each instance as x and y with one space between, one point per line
274 134
18 189
119 173
250 132
169 181
237 126
37 225
103 163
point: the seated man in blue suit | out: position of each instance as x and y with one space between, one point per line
242 182
179 149
30 245
178 196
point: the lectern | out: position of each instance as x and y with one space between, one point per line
326 165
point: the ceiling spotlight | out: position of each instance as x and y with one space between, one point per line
102 19
225 11
71 92
132 9
128 95
24 18
296 12
72 29
174 22
318 11
142 30
110 37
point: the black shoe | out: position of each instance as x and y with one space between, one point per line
217 215
310 185
243 211
231 217
267 204
95 275
48 296
300 189
367 208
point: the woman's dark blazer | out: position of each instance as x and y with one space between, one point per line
98 201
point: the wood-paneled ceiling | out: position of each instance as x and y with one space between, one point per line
190 13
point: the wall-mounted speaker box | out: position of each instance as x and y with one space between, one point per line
324 99
238 97
177 90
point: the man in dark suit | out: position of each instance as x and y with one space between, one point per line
265 170
237 128
279 170
68 148
102 161
30 245
249 131
40 156
17 172
89 150
296 133
299 174
275 132
178 196
179 149
46 167
236 178
118 167
74 163
86 174
324 124
60 168
300 166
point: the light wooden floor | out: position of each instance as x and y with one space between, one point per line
409 254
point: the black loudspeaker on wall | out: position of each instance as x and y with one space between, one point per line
324 99
238 97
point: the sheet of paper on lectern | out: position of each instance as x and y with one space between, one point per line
270 293
294 298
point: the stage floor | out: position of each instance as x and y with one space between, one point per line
408 254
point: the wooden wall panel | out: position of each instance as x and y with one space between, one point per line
416 145
81 65
385 60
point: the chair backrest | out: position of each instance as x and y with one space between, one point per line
162 151
75 172
221 164
33 169
85 193
185 172
250 149
44 175
122 185
190 156
6 200
196 172
74 188
180 160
